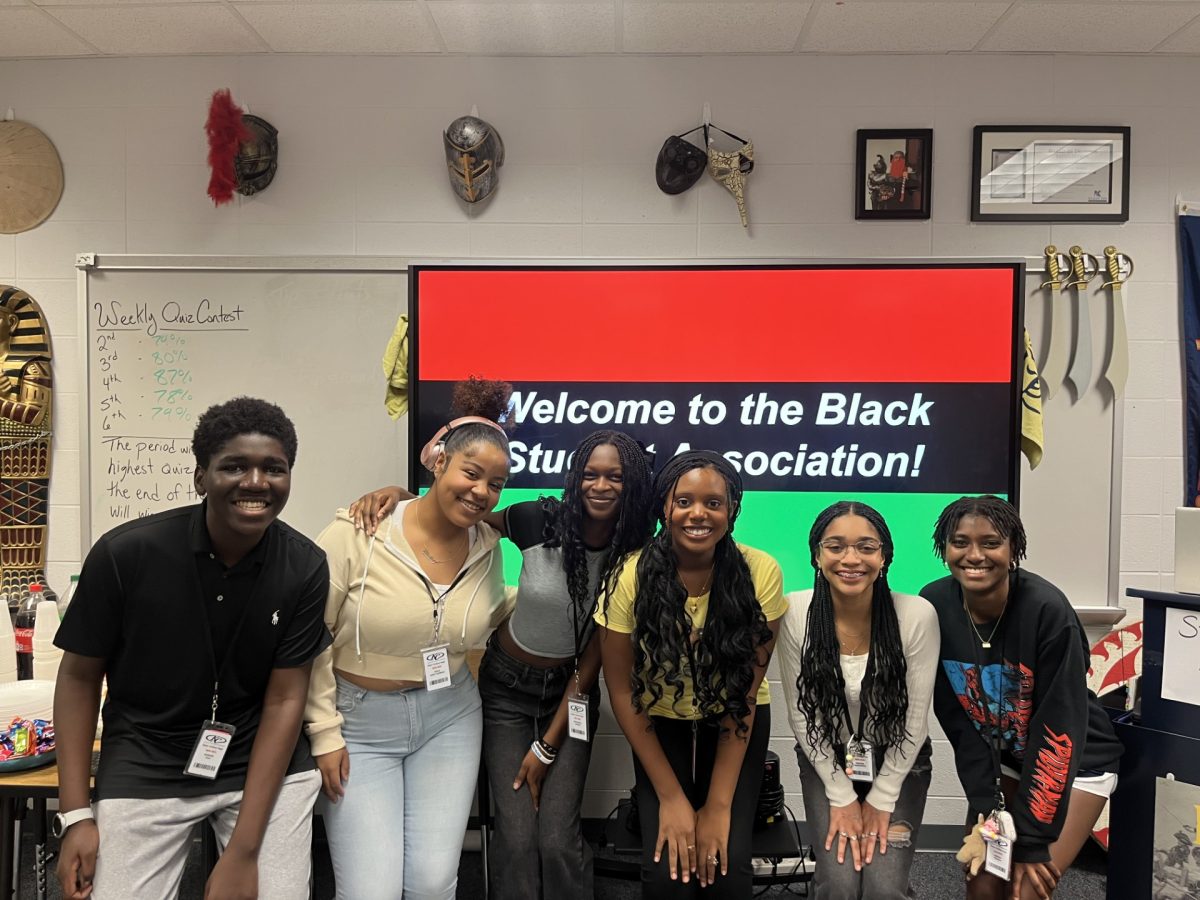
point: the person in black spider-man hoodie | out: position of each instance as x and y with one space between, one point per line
1014 657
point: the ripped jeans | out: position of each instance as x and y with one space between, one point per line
886 878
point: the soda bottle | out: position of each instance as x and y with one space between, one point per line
65 600
23 631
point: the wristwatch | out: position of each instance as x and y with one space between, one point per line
62 821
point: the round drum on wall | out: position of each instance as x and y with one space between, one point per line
31 177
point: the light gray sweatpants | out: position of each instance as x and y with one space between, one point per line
144 843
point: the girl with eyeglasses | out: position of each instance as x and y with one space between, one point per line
1035 751
685 639
857 664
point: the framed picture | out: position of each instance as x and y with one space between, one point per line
1039 173
893 173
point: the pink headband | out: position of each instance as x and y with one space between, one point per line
430 452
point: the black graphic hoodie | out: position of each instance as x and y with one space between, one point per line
1033 686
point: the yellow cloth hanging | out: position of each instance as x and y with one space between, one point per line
395 367
1032 439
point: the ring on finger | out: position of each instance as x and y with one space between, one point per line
844 834
691 846
872 834
854 837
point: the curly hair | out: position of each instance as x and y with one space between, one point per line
732 643
220 424
1002 514
821 687
483 398
565 518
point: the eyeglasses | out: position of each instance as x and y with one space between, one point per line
864 548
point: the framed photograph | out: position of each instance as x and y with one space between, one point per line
893 173
1040 173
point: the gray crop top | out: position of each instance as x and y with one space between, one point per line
541 622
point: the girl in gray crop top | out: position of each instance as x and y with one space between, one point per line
545 655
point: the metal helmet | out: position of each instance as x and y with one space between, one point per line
258 158
474 152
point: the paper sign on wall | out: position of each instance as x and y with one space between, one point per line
1181 656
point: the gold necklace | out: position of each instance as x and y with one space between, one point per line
707 581
987 645
425 545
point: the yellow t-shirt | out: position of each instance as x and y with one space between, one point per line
620 616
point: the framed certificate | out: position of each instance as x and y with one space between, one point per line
1037 173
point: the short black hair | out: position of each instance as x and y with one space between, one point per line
1002 514
220 424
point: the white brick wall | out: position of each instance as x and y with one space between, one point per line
362 173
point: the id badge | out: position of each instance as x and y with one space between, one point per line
998 833
436 662
860 761
577 718
999 857
209 752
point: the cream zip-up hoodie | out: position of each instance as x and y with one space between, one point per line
381 612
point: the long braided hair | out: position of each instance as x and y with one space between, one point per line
565 518
1002 514
821 688
721 663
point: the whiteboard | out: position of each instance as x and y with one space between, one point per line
165 338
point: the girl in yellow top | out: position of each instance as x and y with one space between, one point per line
685 640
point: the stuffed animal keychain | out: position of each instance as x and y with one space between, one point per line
973 850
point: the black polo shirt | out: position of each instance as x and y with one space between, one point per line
147 603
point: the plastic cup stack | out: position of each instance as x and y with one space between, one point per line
46 656
8 650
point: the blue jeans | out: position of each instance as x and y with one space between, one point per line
414 762
538 853
886 878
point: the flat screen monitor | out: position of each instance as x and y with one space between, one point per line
894 383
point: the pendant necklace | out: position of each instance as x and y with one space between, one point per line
425 546
856 647
986 644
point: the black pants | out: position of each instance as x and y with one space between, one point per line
675 737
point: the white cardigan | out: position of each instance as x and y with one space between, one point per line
921 639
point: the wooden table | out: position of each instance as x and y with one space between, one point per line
38 785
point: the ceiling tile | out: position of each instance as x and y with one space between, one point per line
342 28
28 32
939 26
146 30
1186 40
526 28
686 27
397 27
1065 27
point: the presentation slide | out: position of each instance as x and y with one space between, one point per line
895 384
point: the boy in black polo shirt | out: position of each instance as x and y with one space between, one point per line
205 621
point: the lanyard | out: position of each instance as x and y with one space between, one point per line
862 702
439 602
576 631
218 669
995 740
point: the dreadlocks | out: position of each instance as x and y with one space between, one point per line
821 688
721 663
999 512
564 520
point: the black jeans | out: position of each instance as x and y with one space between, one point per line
675 737
538 853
